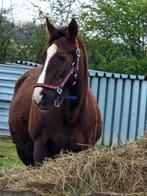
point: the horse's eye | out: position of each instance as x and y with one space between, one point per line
62 59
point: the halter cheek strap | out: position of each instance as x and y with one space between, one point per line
74 71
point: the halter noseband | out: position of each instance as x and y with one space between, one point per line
59 88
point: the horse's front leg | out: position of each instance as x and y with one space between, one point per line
40 151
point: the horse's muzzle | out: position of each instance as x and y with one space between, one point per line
44 102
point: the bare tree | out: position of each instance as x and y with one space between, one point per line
58 11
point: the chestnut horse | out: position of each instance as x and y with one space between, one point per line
53 108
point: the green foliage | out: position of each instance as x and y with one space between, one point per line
123 25
114 33
128 65
29 42
100 51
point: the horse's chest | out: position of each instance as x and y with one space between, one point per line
69 140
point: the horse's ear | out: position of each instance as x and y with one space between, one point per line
72 29
50 27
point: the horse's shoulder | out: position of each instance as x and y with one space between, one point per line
24 77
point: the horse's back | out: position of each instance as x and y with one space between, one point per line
19 115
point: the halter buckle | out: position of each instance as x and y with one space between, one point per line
78 52
59 90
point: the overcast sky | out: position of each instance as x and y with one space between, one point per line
23 10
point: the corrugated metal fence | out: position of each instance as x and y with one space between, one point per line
8 77
122 100
123 104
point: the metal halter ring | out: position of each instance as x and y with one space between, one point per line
58 101
59 90
78 53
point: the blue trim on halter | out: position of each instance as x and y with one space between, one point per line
70 97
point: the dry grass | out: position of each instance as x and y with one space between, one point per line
121 170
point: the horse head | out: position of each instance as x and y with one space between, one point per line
64 75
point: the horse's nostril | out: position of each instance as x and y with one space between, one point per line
43 97
42 94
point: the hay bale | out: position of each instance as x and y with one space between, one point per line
120 170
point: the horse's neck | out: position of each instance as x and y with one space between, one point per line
74 107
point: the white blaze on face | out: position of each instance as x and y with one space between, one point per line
37 91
